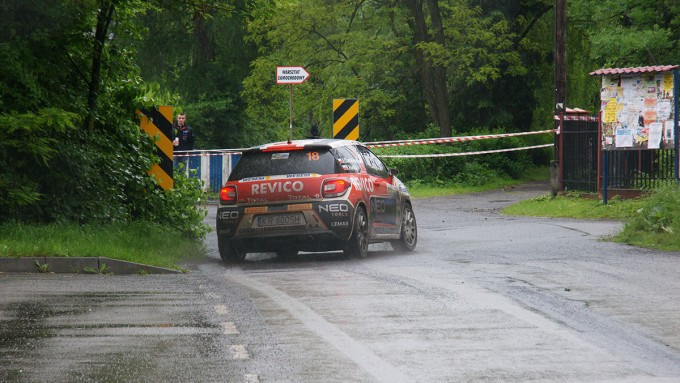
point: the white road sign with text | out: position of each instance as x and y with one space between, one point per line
291 75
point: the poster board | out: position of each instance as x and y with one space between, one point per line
637 111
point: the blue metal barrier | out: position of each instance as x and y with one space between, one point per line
210 166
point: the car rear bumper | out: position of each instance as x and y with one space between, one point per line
329 221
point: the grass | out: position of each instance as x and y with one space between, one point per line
650 240
419 190
575 206
141 242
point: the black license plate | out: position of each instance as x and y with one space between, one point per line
280 220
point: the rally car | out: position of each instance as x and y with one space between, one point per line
312 195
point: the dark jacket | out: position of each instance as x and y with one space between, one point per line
185 135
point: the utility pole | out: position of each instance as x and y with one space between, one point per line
560 91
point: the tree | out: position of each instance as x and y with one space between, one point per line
431 69
629 32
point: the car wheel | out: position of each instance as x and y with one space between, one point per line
409 231
230 252
357 245
286 253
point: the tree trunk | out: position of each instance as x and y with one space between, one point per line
439 72
205 51
104 16
432 78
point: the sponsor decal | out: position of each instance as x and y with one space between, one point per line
250 179
333 208
280 177
362 184
339 224
277 187
293 197
301 175
228 215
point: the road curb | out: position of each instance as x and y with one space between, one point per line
91 265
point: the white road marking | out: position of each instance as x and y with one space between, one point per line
354 350
221 309
229 328
251 378
239 351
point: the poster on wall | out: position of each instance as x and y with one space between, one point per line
637 111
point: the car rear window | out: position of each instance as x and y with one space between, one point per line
280 163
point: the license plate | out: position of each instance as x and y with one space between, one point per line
280 220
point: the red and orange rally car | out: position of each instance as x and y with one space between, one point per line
312 195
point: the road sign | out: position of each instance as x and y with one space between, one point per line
291 75
346 118
157 122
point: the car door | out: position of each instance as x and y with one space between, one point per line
383 200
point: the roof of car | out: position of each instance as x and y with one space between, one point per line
314 143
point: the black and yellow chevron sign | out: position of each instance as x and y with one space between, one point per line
158 122
346 118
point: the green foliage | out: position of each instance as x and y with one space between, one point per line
53 166
575 206
660 213
464 170
629 33
42 268
196 49
102 269
179 207
656 223
419 189
27 143
138 241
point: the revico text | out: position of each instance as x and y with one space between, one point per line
277 187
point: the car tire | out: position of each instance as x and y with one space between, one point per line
287 253
409 231
357 245
230 252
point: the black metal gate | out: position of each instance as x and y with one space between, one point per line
579 153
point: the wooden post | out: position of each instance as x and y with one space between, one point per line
560 88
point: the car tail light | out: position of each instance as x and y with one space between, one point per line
334 187
228 195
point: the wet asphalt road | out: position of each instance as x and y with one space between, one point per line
484 298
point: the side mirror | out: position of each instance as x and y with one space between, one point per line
394 172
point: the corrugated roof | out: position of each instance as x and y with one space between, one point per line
642 69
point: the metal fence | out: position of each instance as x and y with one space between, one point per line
640 169
632 170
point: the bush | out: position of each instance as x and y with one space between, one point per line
466 170
179 207
660 213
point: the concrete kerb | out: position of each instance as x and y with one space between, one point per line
79 265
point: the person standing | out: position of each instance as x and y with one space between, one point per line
183 139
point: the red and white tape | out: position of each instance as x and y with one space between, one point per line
464 153
203 153
386 144
578 118
444 140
